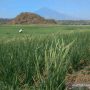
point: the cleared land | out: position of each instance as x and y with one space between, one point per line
42 56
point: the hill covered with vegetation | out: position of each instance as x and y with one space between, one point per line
30 18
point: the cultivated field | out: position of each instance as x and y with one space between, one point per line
42 56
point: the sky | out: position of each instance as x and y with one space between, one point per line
75 8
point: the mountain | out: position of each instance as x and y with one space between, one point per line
30 18
52 14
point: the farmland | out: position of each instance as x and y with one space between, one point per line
42 56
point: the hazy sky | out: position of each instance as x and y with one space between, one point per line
77 8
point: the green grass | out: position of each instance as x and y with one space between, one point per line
9 30
41 56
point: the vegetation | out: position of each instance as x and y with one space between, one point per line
4 21
41 56
73 22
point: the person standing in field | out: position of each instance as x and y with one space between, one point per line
21 30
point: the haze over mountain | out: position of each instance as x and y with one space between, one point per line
52 14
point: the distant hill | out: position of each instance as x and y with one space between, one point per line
30 18
4 20
52 14
73 22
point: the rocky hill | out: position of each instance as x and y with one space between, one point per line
30 18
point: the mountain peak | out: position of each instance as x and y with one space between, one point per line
52 14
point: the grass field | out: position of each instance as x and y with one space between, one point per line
41 56
40 29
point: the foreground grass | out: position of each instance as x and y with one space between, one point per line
41 57
32 64
36 63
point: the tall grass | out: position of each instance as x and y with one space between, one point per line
31 63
